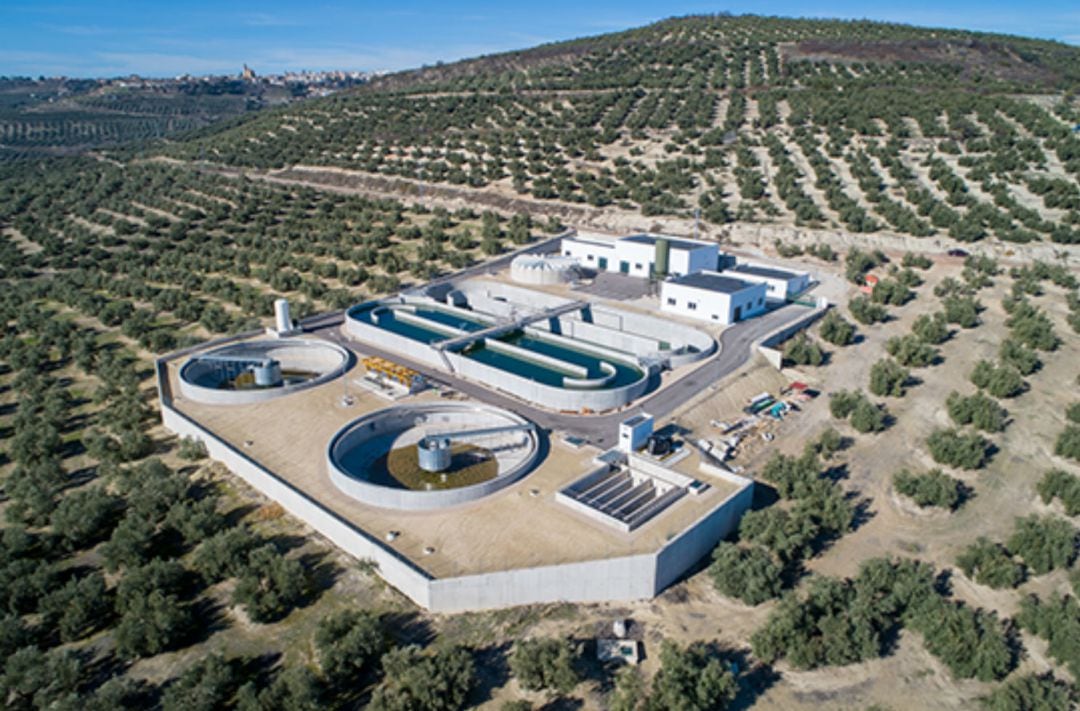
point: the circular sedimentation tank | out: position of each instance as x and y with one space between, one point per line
256 371
425 456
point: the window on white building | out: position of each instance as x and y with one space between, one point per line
692 305
670 301
590 257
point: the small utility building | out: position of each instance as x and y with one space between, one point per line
780 284
713 297
641 255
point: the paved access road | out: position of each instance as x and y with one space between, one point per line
736 347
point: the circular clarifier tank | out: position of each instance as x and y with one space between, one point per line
256 371
426 456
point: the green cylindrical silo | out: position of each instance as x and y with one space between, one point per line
661 262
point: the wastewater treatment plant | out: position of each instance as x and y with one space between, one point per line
498 437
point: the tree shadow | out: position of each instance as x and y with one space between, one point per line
863 514
408 627
754 678
563 704
72 448
965 493
323 572
492 671
210 619
765 495
836 473
234 516
285 542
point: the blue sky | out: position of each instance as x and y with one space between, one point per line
170 37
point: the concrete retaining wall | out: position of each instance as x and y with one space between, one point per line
626 578
697 541
623 578
399 572
767 345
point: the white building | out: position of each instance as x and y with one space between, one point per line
780 284
637 255
713 297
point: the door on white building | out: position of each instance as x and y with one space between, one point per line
624 267
602 263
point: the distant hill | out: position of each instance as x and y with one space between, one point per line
858 125
67 115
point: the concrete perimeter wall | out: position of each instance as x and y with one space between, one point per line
399 572
623 578
767 346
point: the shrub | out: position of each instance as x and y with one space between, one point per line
415 679
916 261
786 535
836 330
858 263
865 416
1016 354
977 410
192 449
208 684
85 517
1056 620
865 311
887 378
1044 542
294 689
932 488
153 624
1030 326
802 351
962 310
805 629
891 292
748 574
971 643
989 563
78 608
962 451
793 477
843 402
911 351
1072 413
691 679
224 554
868 417
1031 692
1068 443
545 664
270 585
628 693
1000 381
829 443
932 329
1065 486
349 643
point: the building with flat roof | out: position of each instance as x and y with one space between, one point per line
641 255
713 296
780 284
